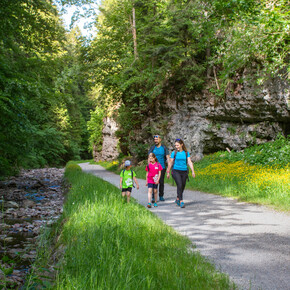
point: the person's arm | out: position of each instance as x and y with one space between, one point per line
159 175
121 181
169 167
136 181
191 166
167 158
146 178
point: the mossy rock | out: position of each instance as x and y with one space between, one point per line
73 168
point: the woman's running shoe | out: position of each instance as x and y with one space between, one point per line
149 205
155 204
182 205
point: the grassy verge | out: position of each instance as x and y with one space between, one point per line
259 174
112 245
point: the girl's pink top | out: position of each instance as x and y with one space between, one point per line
153 172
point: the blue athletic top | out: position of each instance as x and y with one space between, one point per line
180 160
159 153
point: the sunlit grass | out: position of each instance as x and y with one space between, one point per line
253 183
113 245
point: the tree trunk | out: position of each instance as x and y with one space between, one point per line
134 33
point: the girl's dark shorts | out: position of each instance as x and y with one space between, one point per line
127 189
152 185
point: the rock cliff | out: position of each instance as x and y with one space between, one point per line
110 141
246 115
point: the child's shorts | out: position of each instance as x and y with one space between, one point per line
152 185
127 189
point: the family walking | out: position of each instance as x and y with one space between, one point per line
158 156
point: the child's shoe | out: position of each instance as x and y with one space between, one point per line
182 205
177 202
149 205
155 204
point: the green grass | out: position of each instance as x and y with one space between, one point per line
259 174
113 245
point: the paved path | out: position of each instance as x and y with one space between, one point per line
251 243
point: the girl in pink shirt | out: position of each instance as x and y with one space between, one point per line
152 177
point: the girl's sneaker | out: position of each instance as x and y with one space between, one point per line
177 202
149 205
182 205
155 204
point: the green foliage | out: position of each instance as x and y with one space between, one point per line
259 174
181 46
275 153
95 128
140 151
72 168
42 88
256 38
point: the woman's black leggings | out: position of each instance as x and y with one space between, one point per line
180 180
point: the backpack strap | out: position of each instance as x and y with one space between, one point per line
132 178
165 149
175 152
151 149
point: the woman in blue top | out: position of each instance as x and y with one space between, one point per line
179 160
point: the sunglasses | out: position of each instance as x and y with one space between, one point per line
156 136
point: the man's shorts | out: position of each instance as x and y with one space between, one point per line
127 189
152 185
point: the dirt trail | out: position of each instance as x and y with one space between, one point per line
251 243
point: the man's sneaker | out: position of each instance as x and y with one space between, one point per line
161 198
182 205
149 205
177 202
155 204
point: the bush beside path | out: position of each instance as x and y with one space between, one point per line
249 242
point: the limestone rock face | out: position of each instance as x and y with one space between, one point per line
110 141
248 116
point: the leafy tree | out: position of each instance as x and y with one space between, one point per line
40 79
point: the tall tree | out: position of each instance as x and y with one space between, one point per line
33 49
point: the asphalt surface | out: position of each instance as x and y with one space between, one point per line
250 243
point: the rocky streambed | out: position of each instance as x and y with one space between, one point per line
28 203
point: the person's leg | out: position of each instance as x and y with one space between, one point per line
128 196
161 184
177 178
155 195
149 194
124 190
183 176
